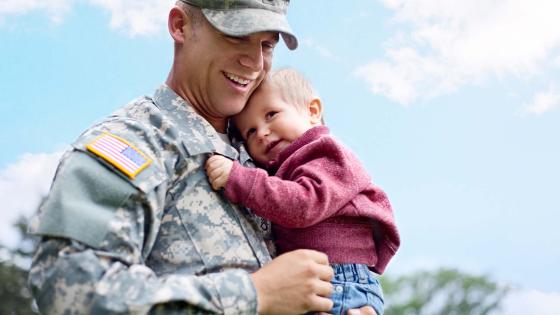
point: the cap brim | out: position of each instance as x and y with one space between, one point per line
244 22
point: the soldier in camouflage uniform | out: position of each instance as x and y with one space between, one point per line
131 224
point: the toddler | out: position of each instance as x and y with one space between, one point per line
314 190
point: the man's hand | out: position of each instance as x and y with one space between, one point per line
294 283
218 169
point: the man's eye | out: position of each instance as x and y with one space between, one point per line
269 45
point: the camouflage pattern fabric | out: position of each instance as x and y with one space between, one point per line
279 6
244 17
161 243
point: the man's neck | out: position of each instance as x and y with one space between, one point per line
219 124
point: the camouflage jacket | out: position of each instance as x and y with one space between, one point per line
160 241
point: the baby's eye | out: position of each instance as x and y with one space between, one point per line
270 114
250 132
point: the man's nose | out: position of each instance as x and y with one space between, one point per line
253 57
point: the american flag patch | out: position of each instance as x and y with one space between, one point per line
119 153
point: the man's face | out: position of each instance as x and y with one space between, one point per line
223 71
269 124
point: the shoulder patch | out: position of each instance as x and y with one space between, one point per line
119 153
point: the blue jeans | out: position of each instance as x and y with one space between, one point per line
355 286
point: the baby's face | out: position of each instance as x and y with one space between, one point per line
268 124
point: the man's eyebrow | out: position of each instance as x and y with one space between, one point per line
244 37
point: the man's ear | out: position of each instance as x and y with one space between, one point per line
315 108
176 24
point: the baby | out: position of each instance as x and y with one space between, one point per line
314 190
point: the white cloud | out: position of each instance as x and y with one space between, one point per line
137 17
543 101
22 185
556 62
54 9
521 302
131 17
440 46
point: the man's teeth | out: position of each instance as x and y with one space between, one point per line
237 79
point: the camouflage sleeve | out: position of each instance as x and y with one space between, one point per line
70 278
104 271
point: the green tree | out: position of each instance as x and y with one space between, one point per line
441 292
14 264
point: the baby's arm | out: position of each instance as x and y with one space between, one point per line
218 169
316 183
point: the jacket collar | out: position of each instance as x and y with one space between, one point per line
198 136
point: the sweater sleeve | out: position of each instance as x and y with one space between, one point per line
317 180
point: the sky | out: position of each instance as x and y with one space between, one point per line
452 106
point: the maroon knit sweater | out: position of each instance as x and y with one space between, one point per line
320 198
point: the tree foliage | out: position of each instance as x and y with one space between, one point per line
14 264
16 298
442 292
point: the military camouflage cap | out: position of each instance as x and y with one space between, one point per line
244 17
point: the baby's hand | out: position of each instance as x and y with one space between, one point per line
218 169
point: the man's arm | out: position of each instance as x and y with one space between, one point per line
69 277
96 226
111 277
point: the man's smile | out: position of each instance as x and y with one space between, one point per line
237 79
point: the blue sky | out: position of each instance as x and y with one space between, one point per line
453 107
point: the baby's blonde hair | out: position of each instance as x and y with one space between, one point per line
293 86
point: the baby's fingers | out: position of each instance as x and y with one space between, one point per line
219 182
214 182
214 171
212 162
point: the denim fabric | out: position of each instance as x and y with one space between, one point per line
355 286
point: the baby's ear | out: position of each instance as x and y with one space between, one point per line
315 110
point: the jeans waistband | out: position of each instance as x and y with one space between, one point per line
358 273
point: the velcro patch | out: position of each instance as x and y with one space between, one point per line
119 153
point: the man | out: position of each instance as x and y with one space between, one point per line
131 224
